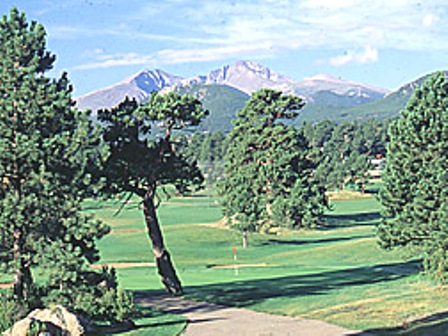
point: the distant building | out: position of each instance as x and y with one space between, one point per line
378 164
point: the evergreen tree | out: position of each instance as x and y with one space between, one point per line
414 196
343 152
46 149
267 175
211 156
141 160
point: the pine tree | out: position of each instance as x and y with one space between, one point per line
46 149
414 196
343 152
268 176
144 157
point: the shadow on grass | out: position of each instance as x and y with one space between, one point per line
314 241
116 331
249 292
348 220
199 195
435 324
148 315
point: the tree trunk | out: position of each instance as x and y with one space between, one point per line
164 265
22 279
18 277
244 239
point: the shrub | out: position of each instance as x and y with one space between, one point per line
103 303
117 306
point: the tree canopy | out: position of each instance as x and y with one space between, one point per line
268 178
46 150
342 152
144 157
414 196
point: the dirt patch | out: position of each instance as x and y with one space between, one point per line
126 231
120 265
6 285
239 266
346 195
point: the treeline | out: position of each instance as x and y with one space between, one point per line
341 152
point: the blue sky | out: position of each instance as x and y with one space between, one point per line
383 43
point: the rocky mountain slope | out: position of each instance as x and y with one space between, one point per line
225 90
138 86
245 76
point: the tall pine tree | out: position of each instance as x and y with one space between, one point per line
143 157
415 193
268 178
46 148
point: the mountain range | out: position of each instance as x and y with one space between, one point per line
225 90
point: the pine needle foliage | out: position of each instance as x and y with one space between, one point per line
47 148
415 193
268 174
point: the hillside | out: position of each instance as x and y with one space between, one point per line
386 108
221 100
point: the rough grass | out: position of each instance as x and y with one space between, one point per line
337 274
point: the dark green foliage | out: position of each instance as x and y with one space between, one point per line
106 305
138 158
117 305
95 296
414 196
143 156
208 149
268 175
342 152
46 150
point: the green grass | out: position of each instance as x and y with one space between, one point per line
156 323
337 274
151 323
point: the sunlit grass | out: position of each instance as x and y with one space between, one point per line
338 273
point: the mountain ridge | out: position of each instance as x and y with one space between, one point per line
224 90
138 86
246 76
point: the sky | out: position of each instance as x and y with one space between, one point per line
383 43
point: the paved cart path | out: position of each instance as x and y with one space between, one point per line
206 319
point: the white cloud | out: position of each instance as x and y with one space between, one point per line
211 54
368 55
216 30
428 20
110 61
169 56
329 4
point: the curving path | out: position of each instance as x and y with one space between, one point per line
206 319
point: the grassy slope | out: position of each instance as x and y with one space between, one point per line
338 274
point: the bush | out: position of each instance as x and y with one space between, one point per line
110 306
103 303
117 306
